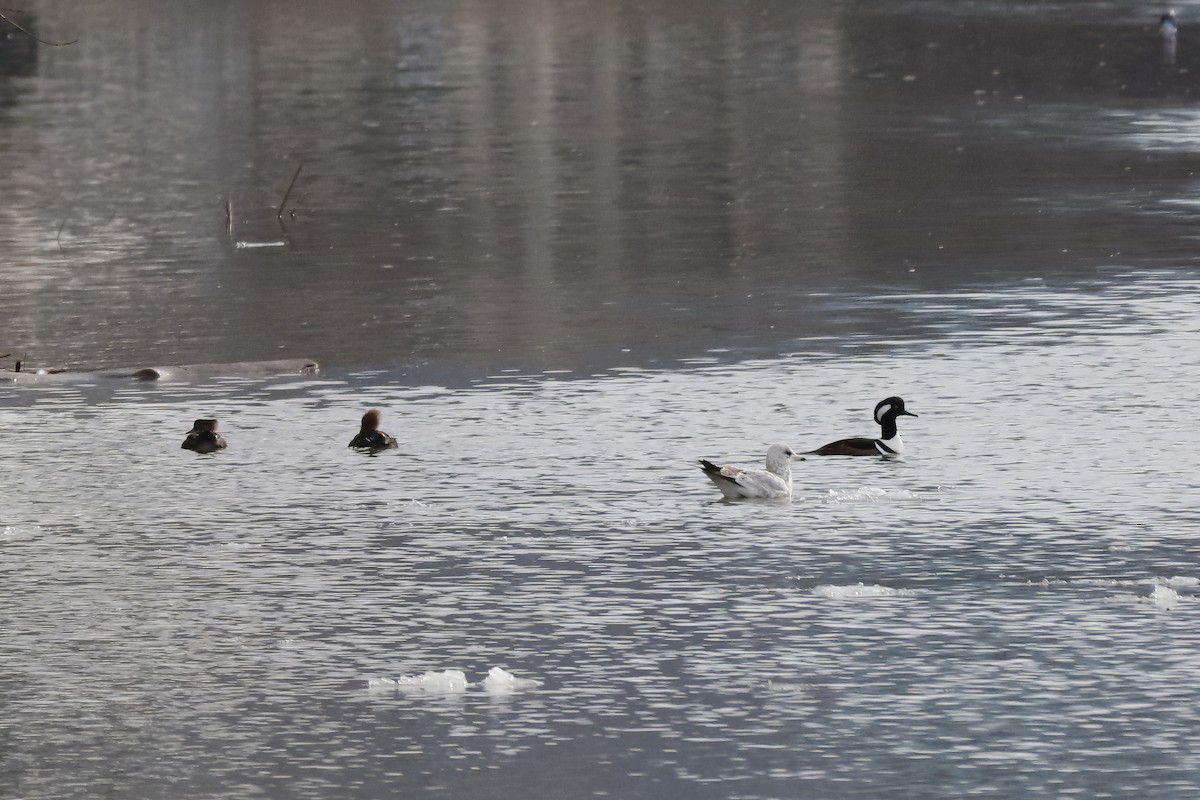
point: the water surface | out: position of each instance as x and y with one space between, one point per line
569 248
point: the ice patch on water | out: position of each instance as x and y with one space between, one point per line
10 532
453 681
1165 597
870 494
857 591
449 681
1173 582
381 684
1164 593
499 681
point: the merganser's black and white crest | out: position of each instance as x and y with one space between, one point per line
775 482
889 444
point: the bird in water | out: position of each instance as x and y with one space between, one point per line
203 437
1168 26
775 482
888 444
369 436
1168 29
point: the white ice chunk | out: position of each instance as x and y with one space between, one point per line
1165 597
857 591
500 681
450 681
871 494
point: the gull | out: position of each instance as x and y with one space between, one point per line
774 482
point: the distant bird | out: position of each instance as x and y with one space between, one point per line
369 436
203 437
888 444
1168 29
1168 26
775 482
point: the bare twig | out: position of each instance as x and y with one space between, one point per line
288 193
229 217
33 36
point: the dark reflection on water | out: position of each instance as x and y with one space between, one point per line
561 184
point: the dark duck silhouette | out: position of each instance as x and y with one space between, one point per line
887 445
369 436
203 437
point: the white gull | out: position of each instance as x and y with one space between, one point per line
772 483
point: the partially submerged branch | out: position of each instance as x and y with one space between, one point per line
288 193
31 35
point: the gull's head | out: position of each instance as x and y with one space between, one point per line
779 454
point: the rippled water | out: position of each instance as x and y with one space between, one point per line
1009 611
568 248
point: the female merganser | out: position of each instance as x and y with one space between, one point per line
772 483
887 445
369 436
203 437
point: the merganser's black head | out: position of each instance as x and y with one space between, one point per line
891 407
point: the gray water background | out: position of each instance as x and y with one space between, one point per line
568 248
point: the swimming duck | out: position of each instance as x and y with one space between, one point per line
775 482
203 437
1168 26
369 436
887 445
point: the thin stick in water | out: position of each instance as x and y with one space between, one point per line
32 36
288 193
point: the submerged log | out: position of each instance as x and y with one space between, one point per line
237 369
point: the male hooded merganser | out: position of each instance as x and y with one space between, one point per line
888 444
203 437
772 483
369 436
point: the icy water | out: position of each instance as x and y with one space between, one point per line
569 248
1011 611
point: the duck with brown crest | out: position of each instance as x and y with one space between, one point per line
369 436
203 437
